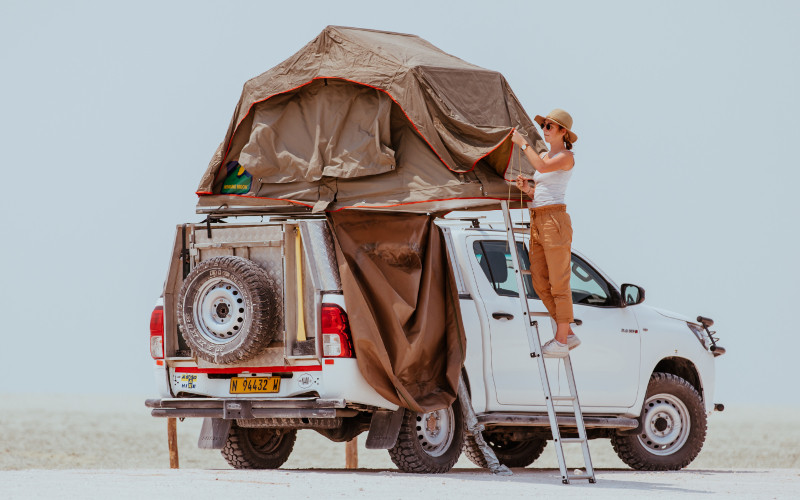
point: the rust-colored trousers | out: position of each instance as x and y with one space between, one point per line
550 254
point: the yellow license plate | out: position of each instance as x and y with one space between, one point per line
252 385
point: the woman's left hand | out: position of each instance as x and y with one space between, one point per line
522 185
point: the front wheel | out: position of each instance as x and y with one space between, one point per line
673 427
429 442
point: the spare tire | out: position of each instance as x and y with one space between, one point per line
227 309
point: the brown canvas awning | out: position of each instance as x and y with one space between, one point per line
402 302
369 119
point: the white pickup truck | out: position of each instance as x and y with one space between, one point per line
252 335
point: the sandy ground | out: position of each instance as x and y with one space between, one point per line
97 444
386 485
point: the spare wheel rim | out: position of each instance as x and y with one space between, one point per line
666 424
220 311
435 431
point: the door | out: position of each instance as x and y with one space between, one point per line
514 374
606 365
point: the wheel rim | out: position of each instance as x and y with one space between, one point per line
435 431
219 311
666 424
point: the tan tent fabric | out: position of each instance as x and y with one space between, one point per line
370 119
349 124
402 304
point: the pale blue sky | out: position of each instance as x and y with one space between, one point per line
685 181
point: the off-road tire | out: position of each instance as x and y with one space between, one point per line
258 448
510 454
409 453
243 321
642 454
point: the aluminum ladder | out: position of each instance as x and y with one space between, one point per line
532 330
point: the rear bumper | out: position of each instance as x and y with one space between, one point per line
336 378
240 408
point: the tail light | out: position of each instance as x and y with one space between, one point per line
157 333
336 342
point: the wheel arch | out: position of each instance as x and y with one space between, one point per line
682 368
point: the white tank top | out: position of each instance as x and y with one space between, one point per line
550 188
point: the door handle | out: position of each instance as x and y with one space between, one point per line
502 316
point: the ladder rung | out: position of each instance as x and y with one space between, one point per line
563 398
572 440
525 271
580 476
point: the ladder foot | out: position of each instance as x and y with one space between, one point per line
593 481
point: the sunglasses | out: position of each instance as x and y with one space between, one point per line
548 126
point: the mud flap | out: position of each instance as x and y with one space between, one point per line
384 429
214 433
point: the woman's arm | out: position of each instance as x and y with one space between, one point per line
543 165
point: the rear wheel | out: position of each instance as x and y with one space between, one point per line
509 453
673 427
429 442
258 448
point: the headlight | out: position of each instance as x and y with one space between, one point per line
699 332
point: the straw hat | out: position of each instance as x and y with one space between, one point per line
560 117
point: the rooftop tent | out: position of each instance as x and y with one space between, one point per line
368 119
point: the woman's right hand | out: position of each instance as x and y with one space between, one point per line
517 138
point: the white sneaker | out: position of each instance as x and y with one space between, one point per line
573 341
554 349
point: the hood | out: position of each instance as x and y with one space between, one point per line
673 315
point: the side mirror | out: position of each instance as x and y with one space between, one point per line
632 294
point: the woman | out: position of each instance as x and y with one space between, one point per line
551 227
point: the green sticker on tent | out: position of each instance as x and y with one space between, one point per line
237 181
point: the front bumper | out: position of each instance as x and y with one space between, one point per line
239 408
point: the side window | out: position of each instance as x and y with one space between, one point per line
495 260
588 287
